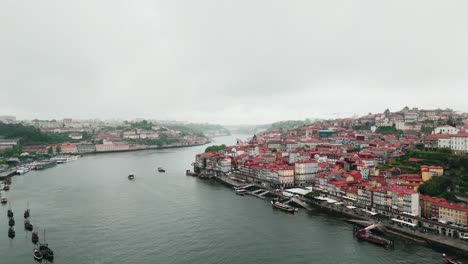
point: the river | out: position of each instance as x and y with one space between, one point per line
93 214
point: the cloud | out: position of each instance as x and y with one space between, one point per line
230 61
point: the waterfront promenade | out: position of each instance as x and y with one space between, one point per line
438 240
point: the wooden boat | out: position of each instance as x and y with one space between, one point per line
37 255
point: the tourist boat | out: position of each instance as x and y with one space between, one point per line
11 221
46 165
450 260
72 158
35 237
6 187
11 232
160 169
131 177
3 200
26 213
22 170
283 206
37 255
46 251
27 225
189 173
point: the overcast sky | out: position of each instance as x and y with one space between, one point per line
230 62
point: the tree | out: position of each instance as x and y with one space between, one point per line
50 151
274 150
215 148
14 151
58 149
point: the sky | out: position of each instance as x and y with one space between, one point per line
230 62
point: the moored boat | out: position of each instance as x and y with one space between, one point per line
26 213
240 191
450 260
35 237
46 251
366 234
22 170
189 173
3 200
11 221
160 169
10 213
45 165
27 225
6 187
11 232
283 206
37 255
131 177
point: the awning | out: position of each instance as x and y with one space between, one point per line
403 222
406 213
351 207
349 198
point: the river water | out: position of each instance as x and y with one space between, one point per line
93 214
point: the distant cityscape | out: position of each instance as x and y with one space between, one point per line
409 165
94 136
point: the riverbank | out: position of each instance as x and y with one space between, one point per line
355 213
143 148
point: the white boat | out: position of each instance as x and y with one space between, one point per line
22 170
59 159
72 158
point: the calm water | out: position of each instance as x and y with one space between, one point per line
93 214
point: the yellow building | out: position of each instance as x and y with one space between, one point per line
427 172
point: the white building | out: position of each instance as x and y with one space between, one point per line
411 203
446 129
225 164
459 142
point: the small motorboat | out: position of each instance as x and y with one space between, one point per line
11 232
35 237
11 221
3 200
160 169
10 213
240 191
26 213
37 255
27 225
6 187
131 177
450 260
283 207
